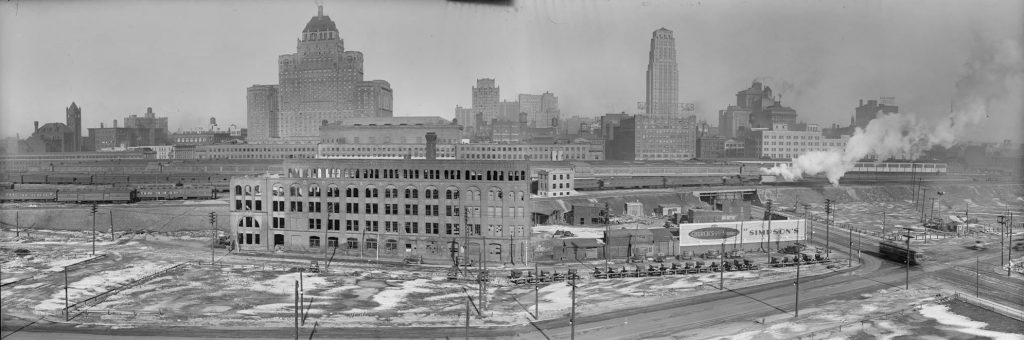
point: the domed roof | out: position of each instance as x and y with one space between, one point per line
320 23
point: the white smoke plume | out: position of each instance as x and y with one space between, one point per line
993 72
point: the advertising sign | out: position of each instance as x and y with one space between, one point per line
740 232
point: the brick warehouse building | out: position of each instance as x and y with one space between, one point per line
387 209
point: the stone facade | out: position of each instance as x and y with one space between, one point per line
74 121
262 116
555 182
389 130
387 209
152 130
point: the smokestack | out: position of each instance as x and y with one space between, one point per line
36 123
431 145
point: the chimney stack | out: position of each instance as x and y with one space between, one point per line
431 146
36 123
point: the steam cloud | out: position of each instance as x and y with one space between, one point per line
992 72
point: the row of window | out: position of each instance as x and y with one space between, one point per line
470 175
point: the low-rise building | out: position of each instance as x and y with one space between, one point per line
634 209
555 182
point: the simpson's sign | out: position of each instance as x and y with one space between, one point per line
697 234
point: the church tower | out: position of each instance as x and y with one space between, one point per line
74 121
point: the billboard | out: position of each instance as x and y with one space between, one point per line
740 232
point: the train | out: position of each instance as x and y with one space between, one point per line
107 194
897 252
218 182
641 182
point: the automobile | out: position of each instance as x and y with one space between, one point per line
978 245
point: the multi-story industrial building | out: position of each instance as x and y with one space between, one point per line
536 152
651 137
322 82
866 112
541 109
783 143
388 209
390 130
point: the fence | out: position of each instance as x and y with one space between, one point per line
103 296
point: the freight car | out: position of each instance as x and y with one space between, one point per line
105 195
28 195
67 178
170 192
898 252
110 179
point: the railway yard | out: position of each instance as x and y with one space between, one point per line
155 279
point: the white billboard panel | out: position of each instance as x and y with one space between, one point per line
740 232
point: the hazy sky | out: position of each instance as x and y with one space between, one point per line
191 60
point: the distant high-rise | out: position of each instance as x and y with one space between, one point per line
321 82
662 75
866 112
74 121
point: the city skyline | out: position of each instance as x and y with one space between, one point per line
592 56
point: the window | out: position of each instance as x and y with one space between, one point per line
314 206
391 245
296 206
334 225
371 243
351 225
352 243
351 192
314 190
277 222
332 242
314 223
412 228
390 226
371 192
390 209
295 190
371 226
412 209
411 193
371 208
314 241
351 208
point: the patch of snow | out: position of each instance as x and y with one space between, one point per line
99 283
285 284
580 232
58 266
390 297
963 324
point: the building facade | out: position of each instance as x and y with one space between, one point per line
662 75
536 152
789 144
665 137
731 120
864 113
389 130
388 209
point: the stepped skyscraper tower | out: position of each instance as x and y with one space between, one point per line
320 83
662 75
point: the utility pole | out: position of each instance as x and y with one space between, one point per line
572 316
849 261
908 258
17 224
796 304
1009 241
93 209
111 224
536 291
1001 219
213 237
977 275
721 276
883 223
467 316
769 230
296 310
67 313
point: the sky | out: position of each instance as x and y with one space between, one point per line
191 60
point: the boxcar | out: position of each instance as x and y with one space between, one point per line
30 178
28 195
69 178
147 178
110 179
113 195
175 192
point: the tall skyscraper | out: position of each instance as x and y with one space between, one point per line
321 82
662 75
262 115
74 121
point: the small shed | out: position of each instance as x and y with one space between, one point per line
634 209
669 209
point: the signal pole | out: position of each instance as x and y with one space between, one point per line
1002 234
828 211
769 230
721 276
67 313
536 291
977 275
93 209
213 236
908 258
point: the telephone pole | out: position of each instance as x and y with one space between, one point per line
796 304
536 291
769 230
67 313
572 316
93 211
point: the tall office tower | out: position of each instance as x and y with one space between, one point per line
485 98
262 116
74 121
662 75
322 82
